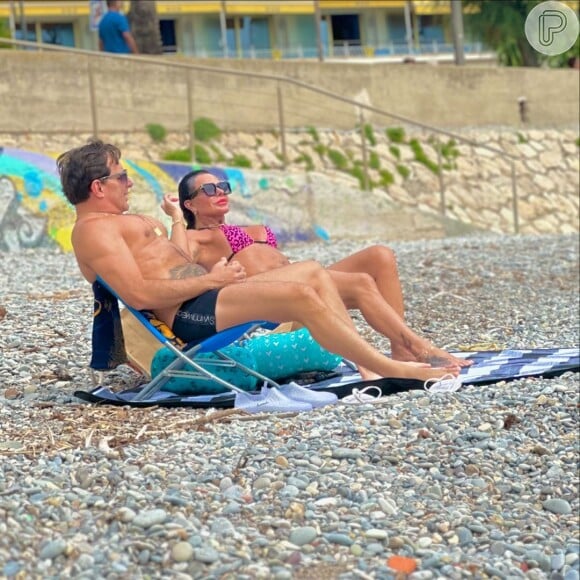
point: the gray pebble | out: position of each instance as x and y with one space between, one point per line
303 535
52 549
149 518
557 506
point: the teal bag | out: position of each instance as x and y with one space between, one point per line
189 387
281 355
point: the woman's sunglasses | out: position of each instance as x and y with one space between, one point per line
210 189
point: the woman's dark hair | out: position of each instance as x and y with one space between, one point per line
184 188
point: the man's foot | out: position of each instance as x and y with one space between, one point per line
427 353
367 375
412 370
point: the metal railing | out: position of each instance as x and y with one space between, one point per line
281 83
344 50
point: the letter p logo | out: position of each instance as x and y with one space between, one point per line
551 22
551 27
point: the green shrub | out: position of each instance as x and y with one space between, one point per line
521 138
395 151
577 141
403 171
5 33
374 161
183 155
321 150
218 155
259 142
202 155
421 156
387 178
306 159
449 150
156 132
205 129
338 159
370 134
357 171
314 134
396 134
240 160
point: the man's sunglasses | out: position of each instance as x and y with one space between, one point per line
210 189
121 176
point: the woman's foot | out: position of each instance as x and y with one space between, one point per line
425 352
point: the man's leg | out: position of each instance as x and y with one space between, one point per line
314 275
282 301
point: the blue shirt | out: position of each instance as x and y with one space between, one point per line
111 29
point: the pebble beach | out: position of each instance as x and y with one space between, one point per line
481 483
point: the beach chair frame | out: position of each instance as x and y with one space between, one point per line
184 365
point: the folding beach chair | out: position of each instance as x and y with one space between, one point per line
190 362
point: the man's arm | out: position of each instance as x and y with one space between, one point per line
130 40
103 251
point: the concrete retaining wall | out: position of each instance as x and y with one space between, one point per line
42 92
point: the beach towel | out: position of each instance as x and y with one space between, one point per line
489 367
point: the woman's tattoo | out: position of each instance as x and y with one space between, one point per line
187 271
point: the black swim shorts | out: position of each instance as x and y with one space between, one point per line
195 319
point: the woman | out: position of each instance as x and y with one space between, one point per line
367 280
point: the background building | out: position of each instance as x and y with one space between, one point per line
256 29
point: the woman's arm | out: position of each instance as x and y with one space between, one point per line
170 205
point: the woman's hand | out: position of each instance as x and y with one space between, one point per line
228 273
170 205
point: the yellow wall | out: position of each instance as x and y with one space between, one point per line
50 8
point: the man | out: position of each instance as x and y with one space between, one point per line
114 33
133 254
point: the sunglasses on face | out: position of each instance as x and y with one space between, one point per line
210 189
121 176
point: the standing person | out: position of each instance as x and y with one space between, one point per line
114 33
133 255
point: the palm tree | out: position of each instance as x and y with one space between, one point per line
501 26
145 26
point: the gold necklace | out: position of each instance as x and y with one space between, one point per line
212 227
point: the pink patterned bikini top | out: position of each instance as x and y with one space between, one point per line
239 239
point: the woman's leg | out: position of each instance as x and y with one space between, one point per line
380 263
359 291
284 300
369 281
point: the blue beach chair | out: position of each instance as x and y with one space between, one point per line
191 360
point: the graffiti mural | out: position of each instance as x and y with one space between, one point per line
18 227
34 211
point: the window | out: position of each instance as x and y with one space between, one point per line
168 39
55 33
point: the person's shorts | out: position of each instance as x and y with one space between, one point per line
195 319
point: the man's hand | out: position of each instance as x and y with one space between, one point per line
228 273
